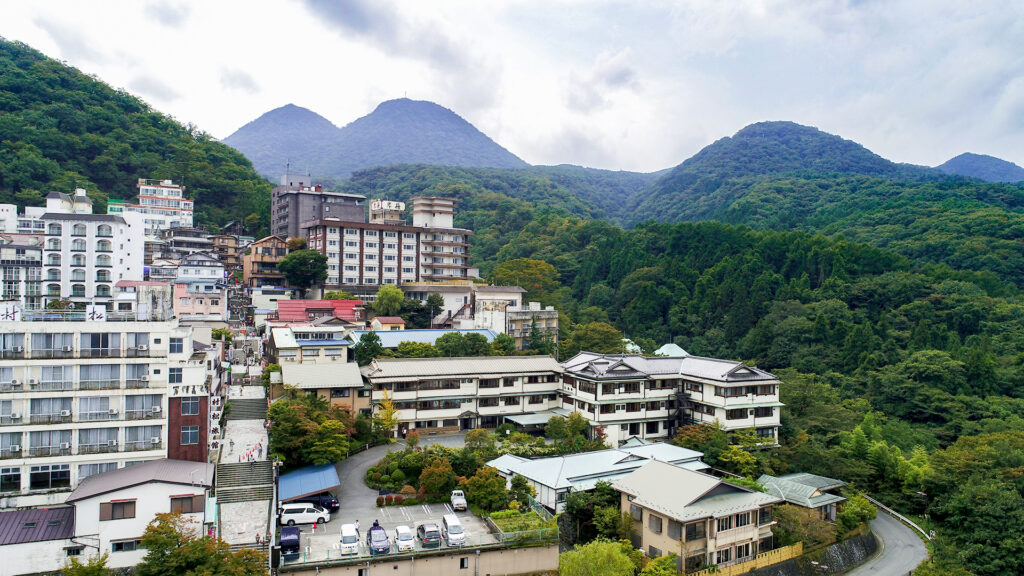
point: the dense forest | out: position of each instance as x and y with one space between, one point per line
61 129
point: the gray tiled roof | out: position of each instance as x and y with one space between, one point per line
797 493
164 470
635 365
85 217
36 525
385 368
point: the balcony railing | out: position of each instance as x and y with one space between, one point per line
52 385
8 453
8 421
96 448
9 387
99 385
11 354
142 445
135 352
100 352
145 414
101 415
48 451
136 383
56 418
52 352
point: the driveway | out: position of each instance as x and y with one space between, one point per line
902 549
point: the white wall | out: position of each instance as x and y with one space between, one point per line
33 557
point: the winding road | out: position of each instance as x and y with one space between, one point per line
902 549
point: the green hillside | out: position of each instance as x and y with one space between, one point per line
61 129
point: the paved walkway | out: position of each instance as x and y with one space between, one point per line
901 549
241 521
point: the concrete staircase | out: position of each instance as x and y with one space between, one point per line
247 409
239 474
244 494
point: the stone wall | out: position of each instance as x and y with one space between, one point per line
834 559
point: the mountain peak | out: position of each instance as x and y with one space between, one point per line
981 166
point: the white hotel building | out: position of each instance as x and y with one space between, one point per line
162 205
82 397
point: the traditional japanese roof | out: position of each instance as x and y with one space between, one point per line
36 525
583 471
819 482
396 369
614 366
686 495
800 494
163 470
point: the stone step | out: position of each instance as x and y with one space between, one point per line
246 494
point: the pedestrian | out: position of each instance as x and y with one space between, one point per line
357 526
252 463
257 538
259 451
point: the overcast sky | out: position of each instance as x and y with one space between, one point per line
621 85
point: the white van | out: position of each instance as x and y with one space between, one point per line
294 513
451 530
404 540
349 539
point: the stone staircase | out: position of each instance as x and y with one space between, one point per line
244 494
239 474
247 409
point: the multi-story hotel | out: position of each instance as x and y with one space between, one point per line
80 396
162 205
449 394
649 397
363 255
296 201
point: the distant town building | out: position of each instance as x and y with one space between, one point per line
297 201
387 323
318 358
259 263
162 205
523 320
200 291
229 249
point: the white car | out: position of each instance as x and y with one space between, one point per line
294 513
349 539
405 540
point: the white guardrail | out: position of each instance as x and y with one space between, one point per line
898 516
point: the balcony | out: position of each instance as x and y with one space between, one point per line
97 448
11 387
141 382
137 352
56 418
142 445
8 421
99 385
146 414
100 416
49 353
46 385
100 353
37 451
8 453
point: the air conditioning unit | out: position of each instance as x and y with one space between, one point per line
32 381
111 442
155 409
65 413
143 378
154 440
18 349
66 349
15 382
142 348
15 416
15 448
112 411
65 445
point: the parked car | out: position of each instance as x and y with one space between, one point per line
324 500
377 540
349 539
451 530
404 539
458 500
294 513
290 543
429 535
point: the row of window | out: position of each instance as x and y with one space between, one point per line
89 441
54 229
79 245
88 341
79 260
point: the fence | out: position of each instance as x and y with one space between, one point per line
760 561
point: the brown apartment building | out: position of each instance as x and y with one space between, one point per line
259 263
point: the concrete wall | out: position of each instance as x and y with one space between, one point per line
34 557
834 559
525 561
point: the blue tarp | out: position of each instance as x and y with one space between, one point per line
307 481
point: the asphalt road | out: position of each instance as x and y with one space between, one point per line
902 549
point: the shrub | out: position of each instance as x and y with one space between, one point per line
389 500
407 491
385 479
398 499
380 501
398 478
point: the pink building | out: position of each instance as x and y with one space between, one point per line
199 300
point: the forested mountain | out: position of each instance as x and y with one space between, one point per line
61 129
399 131
987 168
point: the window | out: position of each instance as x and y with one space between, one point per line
765 516
723 556
695 531
764 412
10 479
52 476
464 562
126 546
190 406
654 523
725 524
86 470
636 512
653 552
742 520
739 414
174 375
675 530
177 345
766 433
189 435
100 344
742 551
652 427
187 504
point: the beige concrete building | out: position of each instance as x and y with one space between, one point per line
317 358
702 519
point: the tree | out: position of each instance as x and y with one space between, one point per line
388 301
855 511
296 244
794 524
331 443
435 303
576 425
94 566
267 371
556 429
174 546
661 566
480 441
738 460
452 345
303 268
437 477
596 337
417 350
539 341
59 304
477 345
222 334
503 345
385 416
521 491
538 278
486 489
610 522
711 440
338 295
597 558
367 348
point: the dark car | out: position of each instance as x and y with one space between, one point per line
429 535
377 540
324 500
290 542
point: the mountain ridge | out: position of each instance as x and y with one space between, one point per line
983 167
